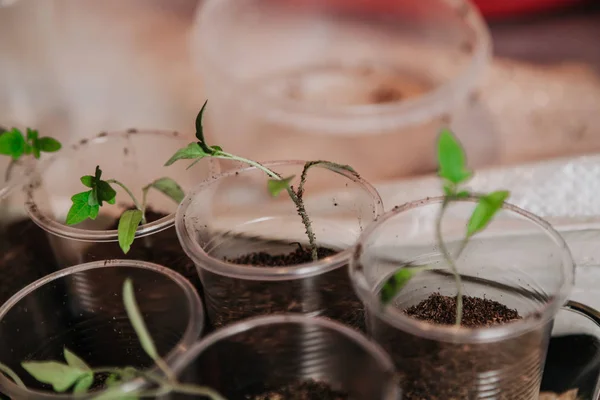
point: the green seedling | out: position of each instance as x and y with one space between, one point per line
275 184
76 376
454 174
87 204
15 144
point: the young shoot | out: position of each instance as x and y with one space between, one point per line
275 184
87 204
75 375
15 144
454 174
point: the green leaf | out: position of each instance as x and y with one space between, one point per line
451 159
60 376
486 208
74 361
93 197
395 283
128 224
276 186
137 321
200 130
32 139
449 189
463 194
84 383
32 134
87 180
105 192
169 188
94 211
12 143
28 148
80 210
112 380
191 152
49 145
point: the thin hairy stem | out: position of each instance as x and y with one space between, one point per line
450 260
165 369
303 176
296 198
145 191
12 375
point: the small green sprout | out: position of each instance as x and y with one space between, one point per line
15 144
275 184
77 376
87 204
454 174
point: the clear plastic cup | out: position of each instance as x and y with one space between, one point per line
60 311
25 252
273 351
573 362
339 80
519 260
135 158
233 214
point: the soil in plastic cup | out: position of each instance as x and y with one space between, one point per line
519 260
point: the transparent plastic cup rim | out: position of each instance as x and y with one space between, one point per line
90 235
191 334
382 358
401 321
221 267
395 115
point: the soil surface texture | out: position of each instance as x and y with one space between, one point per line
431 369
477 312
299 256
307 390
329 294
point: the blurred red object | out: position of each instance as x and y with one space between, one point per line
489 8
512 8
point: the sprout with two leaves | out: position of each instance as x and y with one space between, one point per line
454 174
76 376
87 204
276 183
15 144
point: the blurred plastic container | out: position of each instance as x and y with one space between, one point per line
57 311
328 79
269 352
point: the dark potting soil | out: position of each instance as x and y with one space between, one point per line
306 390
25 256
298 256
329 294
162 248
573 362
438 370
477 312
